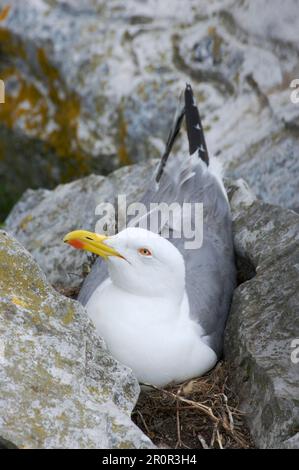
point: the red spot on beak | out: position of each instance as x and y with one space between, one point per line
76 244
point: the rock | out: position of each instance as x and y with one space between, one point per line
267 168
263 321
41 219
91 85
59 386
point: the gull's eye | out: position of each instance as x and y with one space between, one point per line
144 252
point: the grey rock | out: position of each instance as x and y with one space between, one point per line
59 387
42 218
93 84
264 321
267 168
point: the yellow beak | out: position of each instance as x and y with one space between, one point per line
89 241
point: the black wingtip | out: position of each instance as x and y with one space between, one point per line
195 132
174 131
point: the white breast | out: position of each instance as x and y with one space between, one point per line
156 339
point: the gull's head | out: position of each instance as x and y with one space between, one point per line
139 261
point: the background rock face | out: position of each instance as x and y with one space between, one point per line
59 387
92 84
264 320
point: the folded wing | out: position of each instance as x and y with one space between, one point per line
210 269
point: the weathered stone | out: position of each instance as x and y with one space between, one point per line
59 387
264 319
42 218
93 84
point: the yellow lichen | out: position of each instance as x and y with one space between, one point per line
34 110
11 45
19 302
26 103
50 72
64 138
4 12
25 221
217 43
68 318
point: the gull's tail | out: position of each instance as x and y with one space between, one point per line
196 138
174 131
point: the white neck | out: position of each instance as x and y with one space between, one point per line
169 290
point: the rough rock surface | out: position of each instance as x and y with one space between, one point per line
264 319
59 387
92 84
42 217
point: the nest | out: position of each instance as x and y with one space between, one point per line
200 413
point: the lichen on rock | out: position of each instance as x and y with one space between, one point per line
59 386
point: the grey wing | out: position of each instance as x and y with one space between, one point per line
210 269
97 275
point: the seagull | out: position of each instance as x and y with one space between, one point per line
160 306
